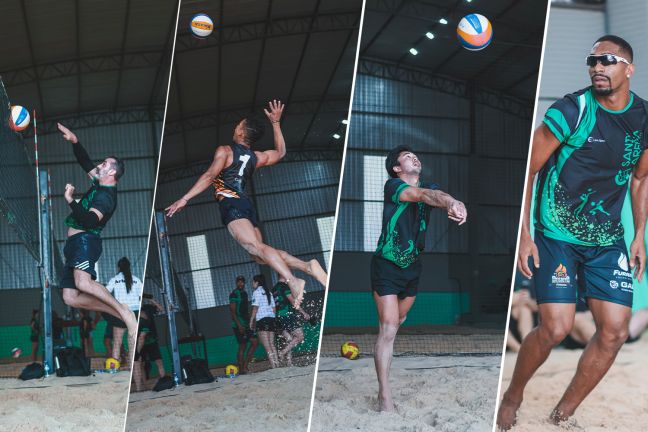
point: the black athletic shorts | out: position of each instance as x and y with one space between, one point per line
389 279
149 353
244 336
266 324
232 209
81 252
289 323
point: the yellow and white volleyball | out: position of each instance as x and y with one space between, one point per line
201 25
231 370
350 350
475 32
16 352
112 363
19 118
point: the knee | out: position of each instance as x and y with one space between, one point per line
553 334
253 247
70 297
388 330
613 336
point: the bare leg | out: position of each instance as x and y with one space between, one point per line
611 332
511 342
268 344
312 267
584 327
34 351
85 284
525 321
391 313
292 341
254 342
247 236
638 323
240 356
118 339
160 367
556 321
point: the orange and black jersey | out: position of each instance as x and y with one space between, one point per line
231 181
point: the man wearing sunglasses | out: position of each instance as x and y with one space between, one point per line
587 152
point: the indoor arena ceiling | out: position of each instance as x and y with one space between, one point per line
508 65
72 57
299 51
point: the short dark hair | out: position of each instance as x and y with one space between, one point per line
392 159
240 277
118 166
620 42
254 129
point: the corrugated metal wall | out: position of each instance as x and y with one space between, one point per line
290 199
436 125
127 231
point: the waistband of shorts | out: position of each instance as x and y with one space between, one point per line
84 233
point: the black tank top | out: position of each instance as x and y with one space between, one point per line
231 181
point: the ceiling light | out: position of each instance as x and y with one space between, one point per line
429 35
336 136
413 51
443 21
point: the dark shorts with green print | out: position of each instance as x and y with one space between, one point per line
389 279
569 271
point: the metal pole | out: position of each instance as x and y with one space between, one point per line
46 269
169 292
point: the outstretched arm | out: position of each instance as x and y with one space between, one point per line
271 157
436 198
203 182
639 193
80 153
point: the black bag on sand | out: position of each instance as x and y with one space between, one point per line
196 371
164 383
32 371
71 362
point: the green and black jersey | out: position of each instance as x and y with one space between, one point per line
281 292
102 198
404 225
581 190
240 299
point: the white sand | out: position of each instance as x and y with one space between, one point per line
456 394
94 403
271 401
619 402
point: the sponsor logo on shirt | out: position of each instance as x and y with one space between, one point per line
592 139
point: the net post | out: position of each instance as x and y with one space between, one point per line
169 292
46 268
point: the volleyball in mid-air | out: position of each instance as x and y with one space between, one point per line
112 363
19 118
231 370
350 350
16 352
201 25
475 32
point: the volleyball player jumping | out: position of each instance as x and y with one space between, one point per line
232 167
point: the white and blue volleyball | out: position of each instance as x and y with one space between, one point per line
475 32
201 25
19 118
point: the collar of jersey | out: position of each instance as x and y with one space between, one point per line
621 111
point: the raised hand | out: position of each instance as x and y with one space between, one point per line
457 212
69 193
274 111
175 207
68 135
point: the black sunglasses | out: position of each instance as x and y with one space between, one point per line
605 59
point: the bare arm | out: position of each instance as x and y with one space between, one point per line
204 181
436 198
271 157
543 145
639 193
253 316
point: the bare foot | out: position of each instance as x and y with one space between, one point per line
507 414
316 270
558 416
297 289
385 403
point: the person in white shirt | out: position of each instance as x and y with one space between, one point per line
262 318
127 289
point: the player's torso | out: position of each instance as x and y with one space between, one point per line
231 181
585 182
87 203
